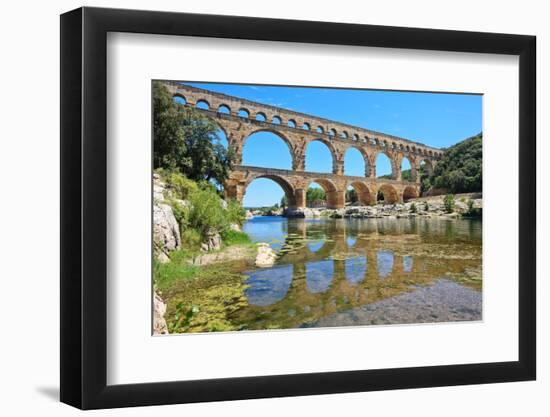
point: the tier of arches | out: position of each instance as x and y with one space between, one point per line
335 192
321 126
327 158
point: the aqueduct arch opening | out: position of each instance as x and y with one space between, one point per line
262 145
288 189
410 192
364 194
319 153
389 193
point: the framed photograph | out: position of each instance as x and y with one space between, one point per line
256 208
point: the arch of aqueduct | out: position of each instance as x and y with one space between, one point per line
239 118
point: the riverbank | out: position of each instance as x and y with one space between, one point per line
460 205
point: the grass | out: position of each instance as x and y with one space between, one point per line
165 274
234 237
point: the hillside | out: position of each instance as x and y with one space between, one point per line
460 169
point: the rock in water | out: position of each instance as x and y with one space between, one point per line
166 232
159 310
266 256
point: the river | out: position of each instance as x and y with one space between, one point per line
342 272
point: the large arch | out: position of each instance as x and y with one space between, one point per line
335 198
382 161
355 162
315 161
407 170
389 193
364 194
248 160
287 187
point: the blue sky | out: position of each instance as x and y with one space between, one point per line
435 119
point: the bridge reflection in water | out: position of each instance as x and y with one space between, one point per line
328 266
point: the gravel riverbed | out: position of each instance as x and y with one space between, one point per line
443 301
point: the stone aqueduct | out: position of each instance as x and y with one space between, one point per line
239 118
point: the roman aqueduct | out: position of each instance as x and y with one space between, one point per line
239 118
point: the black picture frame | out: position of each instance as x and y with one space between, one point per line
84 207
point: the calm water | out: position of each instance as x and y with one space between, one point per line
350 272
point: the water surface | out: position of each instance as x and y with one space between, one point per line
358 272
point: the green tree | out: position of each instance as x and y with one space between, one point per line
315 194
460 169
351 195
187 141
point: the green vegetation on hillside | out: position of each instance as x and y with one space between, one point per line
460 169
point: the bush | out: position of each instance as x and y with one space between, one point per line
472 211
426 206
449 202
413 208
180 186
207 212
235 213
191 239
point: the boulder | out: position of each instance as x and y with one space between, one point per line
212 241
166 232
266 256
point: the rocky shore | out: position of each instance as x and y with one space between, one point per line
426 207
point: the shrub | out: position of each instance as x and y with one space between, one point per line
206 212
426 206
235 213
191 239
413 208
449 203
180 186
472 211
181 213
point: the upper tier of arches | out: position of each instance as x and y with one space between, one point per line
245 109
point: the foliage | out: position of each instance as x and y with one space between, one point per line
473 211
206 211
181 213
179 185
182 318
191 239
449 203
315 194
234 237
426 206
406 175
186 141
351 195
460 169
235 213
413 208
